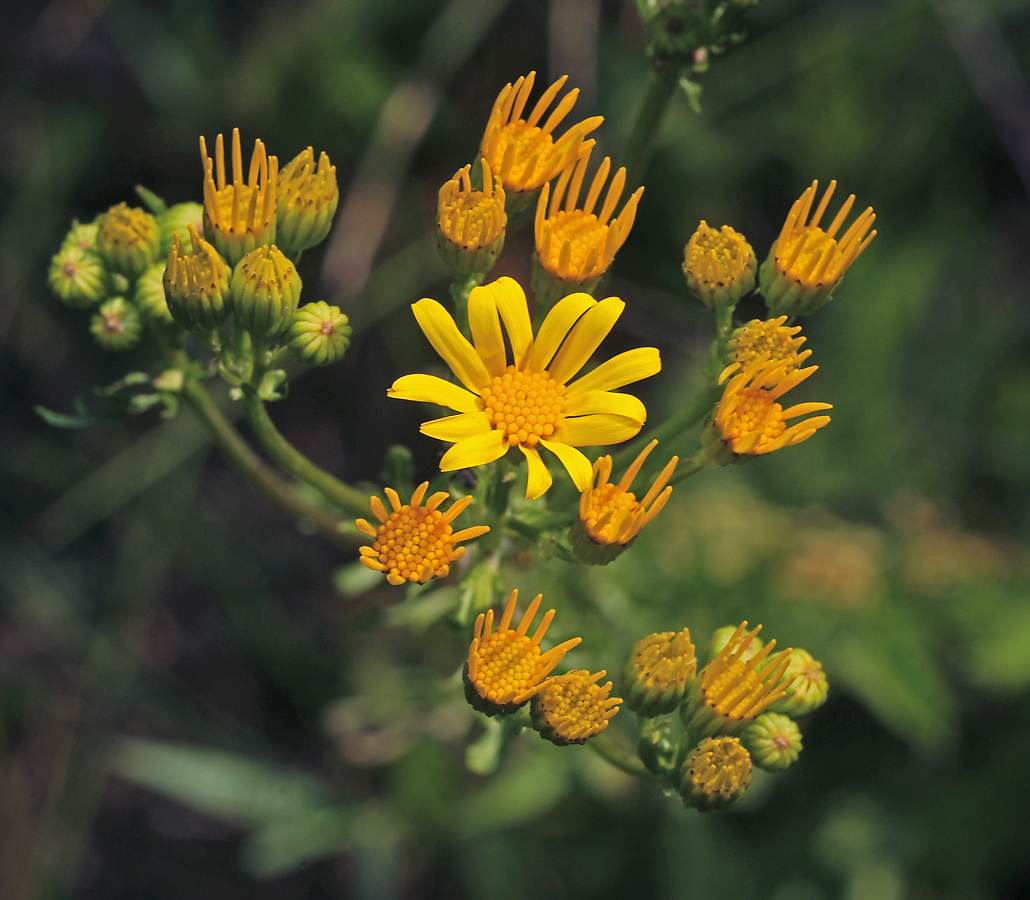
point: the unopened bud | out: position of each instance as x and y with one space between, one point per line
319 334
196 284
116 325
307 197
809 689
265 289
719 266
657 672
77 277
773 740
179 218
150 294
128 239
716 774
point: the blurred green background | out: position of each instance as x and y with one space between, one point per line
197 700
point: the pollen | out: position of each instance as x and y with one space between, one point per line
573 707
470 219
524 406
719 765
718 258
506 667
413 543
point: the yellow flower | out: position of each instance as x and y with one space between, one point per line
806 264
505 667
775 340
573 244
748 420
716 774
719 265
529 402
573 707
471 223
128 239
307 197
415 542
522 153
658 671
731 692
196 284
239 217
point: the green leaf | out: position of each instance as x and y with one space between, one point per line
82 419
154 203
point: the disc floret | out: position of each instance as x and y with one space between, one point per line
658 671
716 774
719 265
573 707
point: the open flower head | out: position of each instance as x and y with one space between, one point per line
412 542
806 263
730 692
658 671
716 774
809 689
239 216
773 339
470 223
506 667
522 152
573 707
610 516
576 244
719 265
306 199
750 422
531 401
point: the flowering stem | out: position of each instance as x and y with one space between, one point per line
618 756
687 417
690 467
296 463
461 287
645 127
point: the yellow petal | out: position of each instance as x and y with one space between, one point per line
618 371
589 402
486 329
511 304
585 338
477 450
456 428
431 389
559 322
539 478
587 431
577 464
452 346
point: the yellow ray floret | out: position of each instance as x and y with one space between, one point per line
523 153
774 339
530 401
240 215
751 422
812 257
573 707
470 219
506 667
413 542
575 243
611 513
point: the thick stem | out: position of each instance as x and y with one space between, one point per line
619 757
646 127
297 464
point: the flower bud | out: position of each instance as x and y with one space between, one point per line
128 239
722 637
150 294
77 277
82 236
470 224
573 707
196 284
265 289
306 202
116 325
773 339
719 266
773 740
657 672
319 334
716 774
179 218
809 689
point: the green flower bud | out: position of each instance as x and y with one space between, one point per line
808 691
116 325
657 672
77 277
265 289
128 239
150 294
773 740
306 201
319 334
719 266
178 218
716 774
82 236
196 284
722 637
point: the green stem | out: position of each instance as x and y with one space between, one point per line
619 757
687 417
646 127
461 287
690 467
342 495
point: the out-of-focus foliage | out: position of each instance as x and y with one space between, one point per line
188 706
